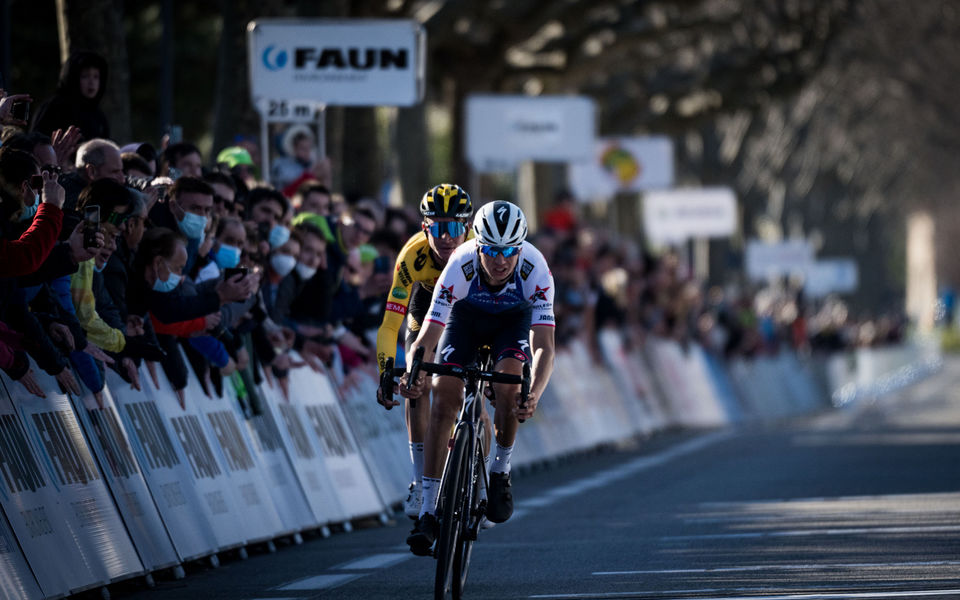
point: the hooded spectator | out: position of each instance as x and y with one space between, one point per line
83 79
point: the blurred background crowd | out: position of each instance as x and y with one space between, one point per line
115 252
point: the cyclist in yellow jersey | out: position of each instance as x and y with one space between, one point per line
446 209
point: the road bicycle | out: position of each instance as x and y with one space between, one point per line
463 498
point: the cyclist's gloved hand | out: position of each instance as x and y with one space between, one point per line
386 399
416 390
527 410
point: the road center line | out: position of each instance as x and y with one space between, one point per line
807 567
813 532
799 596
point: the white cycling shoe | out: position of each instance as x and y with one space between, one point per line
411 506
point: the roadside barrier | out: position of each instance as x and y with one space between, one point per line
96 489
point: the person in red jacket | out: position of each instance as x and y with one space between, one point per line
25 254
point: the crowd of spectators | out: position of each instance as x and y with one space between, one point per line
606 281
116 253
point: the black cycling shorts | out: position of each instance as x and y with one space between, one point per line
416 313
468 328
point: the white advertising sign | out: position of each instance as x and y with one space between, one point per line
833 275
16 580
111 446
244 484
55 496
342 62
623 164
764 260
379 433
674 216
503 131
184 475
305 456
320 413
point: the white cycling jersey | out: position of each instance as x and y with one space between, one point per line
532 286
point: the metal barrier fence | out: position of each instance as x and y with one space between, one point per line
131 483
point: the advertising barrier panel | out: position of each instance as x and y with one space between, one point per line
55 496
266 444
179 467
316 401
241 481
381 434
108 439
305 456
16 579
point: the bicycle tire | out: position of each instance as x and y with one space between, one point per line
471 508
451 514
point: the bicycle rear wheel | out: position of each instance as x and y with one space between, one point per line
471 524
452 517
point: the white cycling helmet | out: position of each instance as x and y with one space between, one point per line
500 223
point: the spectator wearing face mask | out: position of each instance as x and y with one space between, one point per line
187 209
83 79
268 208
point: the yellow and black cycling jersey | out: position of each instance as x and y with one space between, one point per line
415 265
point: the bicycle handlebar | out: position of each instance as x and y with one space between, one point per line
417 365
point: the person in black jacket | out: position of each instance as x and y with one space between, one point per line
83 79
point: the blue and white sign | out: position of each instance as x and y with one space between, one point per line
342 62
831 276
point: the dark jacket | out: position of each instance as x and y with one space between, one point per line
69 107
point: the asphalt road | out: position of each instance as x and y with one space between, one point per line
861 503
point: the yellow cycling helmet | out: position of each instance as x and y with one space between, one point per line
447 200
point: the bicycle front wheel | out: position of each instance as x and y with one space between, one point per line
471 523
452 517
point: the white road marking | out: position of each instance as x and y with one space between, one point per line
814 532
320 582
617 473
807 567
798 596
376 561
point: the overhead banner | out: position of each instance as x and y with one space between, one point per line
111 446
338 62
674 216
503 131
831 276
623 164
765 260
55 496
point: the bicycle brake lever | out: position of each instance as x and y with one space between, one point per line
415 372
524 387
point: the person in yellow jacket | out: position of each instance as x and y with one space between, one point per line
446 210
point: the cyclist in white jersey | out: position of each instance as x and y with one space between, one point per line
496 289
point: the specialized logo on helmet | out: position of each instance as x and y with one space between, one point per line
500 212
539 294
278 61
446 294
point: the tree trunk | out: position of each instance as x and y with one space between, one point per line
97 25
233 112
412 151
361 168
